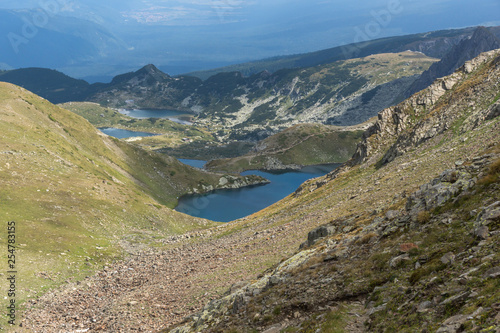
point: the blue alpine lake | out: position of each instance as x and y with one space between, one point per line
164 114
123 134
229 205
194 163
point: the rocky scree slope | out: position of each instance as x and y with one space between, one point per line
425 258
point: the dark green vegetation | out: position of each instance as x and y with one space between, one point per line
209 150
300 145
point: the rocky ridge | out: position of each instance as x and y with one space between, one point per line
410 123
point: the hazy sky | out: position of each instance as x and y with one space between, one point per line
167 32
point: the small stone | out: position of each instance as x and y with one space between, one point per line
274 280
394 262
391 215
424 306
377 309
452 324
488 258
456 299
478 312
448 258
482 232
473 294
273 329
493 273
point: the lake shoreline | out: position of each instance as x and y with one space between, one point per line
231 204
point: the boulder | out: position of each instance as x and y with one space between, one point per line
319 232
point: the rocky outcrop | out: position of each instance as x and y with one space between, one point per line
449 184
272 163
428 113
320 232
231 182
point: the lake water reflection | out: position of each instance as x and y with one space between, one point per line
123 134
164 114
229 205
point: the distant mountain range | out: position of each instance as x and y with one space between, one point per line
339 92
434 44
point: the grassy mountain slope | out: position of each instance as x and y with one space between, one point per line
300 145
359 263
78 197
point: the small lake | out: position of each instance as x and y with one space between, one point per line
194 163
163 114
123 134
229 205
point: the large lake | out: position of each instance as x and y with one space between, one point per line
164 114
229 205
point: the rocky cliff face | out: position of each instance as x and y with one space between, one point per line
422 117
482 40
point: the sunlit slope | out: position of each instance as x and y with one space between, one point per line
79 197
